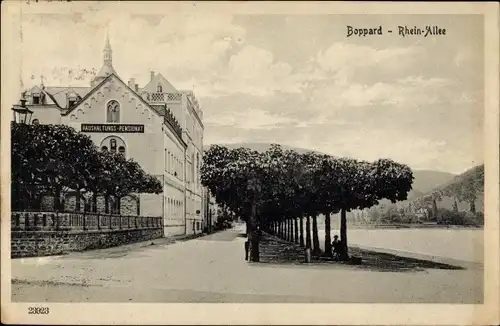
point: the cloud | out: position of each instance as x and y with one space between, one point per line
192 44
412 91
343 59
254 71
250 119
420 152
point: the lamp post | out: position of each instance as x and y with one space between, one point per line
22 114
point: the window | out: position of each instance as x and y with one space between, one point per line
121 150
113 112
112 142
71 102
104 148
36 122
36 99
159 89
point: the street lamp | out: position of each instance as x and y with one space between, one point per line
22 114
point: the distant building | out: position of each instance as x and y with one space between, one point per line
211 210
157 125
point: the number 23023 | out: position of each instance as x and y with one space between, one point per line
38 310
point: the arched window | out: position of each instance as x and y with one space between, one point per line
113 112
159 89
113 144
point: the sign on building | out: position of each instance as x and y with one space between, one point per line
114 128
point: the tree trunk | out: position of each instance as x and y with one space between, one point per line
301 240
343 235
328 237
290 233
472 206
308 232
455 206
296 228
246 228
316 249
435 211
254 235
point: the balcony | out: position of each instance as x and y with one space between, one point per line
162 97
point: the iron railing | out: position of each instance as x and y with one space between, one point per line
51 221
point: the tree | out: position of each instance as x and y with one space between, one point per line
120 177
50 158
360 184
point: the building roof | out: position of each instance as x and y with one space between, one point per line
59 94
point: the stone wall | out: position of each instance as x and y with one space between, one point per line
43 234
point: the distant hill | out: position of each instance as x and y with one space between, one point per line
460 188
425 180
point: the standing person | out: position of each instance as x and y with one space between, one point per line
247 249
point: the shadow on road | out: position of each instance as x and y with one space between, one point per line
275 251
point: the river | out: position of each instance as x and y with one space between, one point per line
460 244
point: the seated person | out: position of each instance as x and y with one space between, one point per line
336 247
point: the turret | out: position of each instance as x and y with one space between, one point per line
107 67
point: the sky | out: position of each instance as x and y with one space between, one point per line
296 80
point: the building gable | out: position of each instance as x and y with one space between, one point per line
159 80
114 84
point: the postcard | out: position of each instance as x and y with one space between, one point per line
250 163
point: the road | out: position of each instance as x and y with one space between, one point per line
213 269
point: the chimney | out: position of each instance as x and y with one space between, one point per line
152 74
131 83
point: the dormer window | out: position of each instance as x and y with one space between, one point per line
36 99
71 102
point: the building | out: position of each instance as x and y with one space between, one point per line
211 210
157 125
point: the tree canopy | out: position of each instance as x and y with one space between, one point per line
284 184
